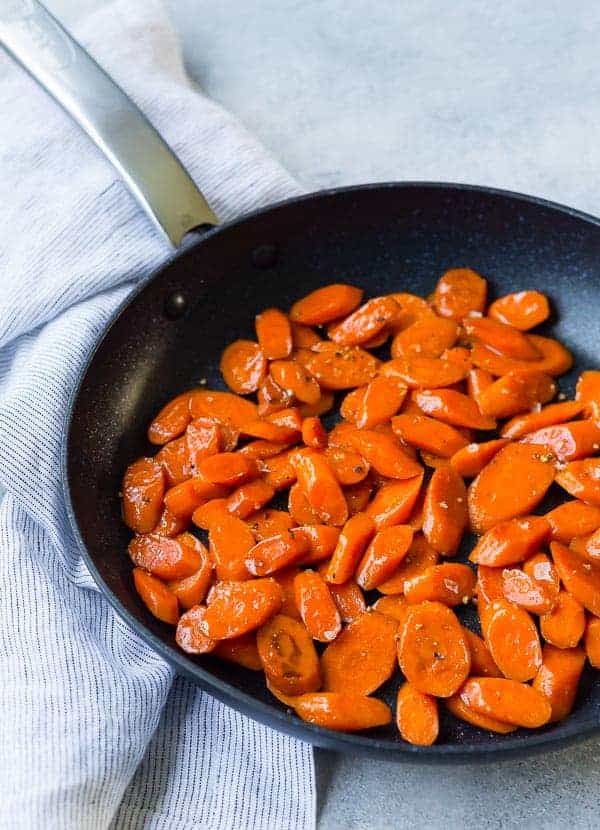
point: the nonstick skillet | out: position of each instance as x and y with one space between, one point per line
169 334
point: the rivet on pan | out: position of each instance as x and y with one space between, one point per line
265 256
175 305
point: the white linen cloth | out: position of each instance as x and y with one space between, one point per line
95 732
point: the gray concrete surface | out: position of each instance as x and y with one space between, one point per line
346 91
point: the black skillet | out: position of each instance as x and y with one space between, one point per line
170 333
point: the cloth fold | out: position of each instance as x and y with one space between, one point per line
95 730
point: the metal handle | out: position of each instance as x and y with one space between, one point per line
147 164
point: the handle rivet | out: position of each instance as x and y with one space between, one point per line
175 305
265 256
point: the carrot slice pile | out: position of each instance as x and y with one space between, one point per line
454 426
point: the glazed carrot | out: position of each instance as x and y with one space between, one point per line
271 398
165 558
241 650
581 479
512 638
580 577
445 515
523 590
477 381
555 360
288 656
171 421
189 635
564 625
362 657
429 336
506 700
432 649
374 403
489 586
482 662
229 469
416 716
558 678
303 337
174 459
451 584
295 380
170 525
548 416
592 547
261 449
349 600
592 641
143 490
419 372
326 304
285 580
364 323
459 355
183 499
357 497
338 367
230 540
192 590
317 608
458 292
349 467
274 334
394 502
227 408
321 541
203 437
314 433
239 607
419 557
155 595
469 461
278 427
276 553
300 509
542 571
453 408
381 559
249 498
588 393
434 461
501 338
243 366
511 485
568 442
571 519
384 453
269 522
460 710
427 434
511 541
516 392
394 606
320 486
524 309
342 711
278 470
323 405
412 308
352 543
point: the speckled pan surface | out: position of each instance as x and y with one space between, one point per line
390 237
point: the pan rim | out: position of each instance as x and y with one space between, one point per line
270 714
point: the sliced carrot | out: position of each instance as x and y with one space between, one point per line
482 662
591 548
430 336
239 607
163 557
417 716
523 590
512 638
394 502
295 380
381 559
362 657
453 408
427 434
143 490
434 461
511 541
303 337
271 398
274 334
580 577
276 553
183 499
581 479
156 596
203 438
588 393
489 586
558 678
192 590
300 509
364 323
542 571
230 409
320 486
551 415
384 453
189 635
357 497
314 433
394 606
445 514
477 381
209 512
240 650
261 449
459 355
352 543
419 372
458 292
288 655
469 461
374 403
174 459
278 470
571 519
555 360
592 641
419 557
170 525
269 522
285 579
249 498
349 467
511 485
338 367
432 649
449 583
412 308
321 540
460 710
568 442
317 608
281 427
171 421
524 309
564 626
501 337
326 304
230 540
342 711
243 366
516 392
507 701
349 600
229 469
323 405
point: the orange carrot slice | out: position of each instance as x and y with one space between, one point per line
507 701
417 716
511 541
445 514
558 678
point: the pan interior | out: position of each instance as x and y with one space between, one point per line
385 238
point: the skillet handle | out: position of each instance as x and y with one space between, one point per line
154 175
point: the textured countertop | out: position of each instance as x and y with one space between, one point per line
346 91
